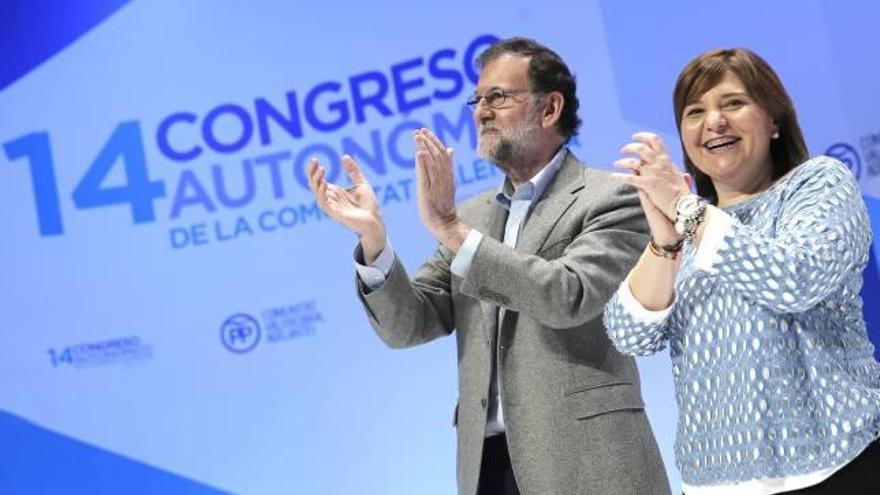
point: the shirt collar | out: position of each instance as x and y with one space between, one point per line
535 187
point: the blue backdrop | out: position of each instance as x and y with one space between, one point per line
180 318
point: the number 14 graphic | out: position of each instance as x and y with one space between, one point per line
125 143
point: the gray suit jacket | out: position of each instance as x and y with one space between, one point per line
573 412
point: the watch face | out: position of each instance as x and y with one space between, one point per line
690 210
686 203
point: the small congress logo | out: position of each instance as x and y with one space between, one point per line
240 333
848 155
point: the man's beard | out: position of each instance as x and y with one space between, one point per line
512 150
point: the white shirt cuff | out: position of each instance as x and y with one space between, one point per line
718 223
462 261
374 274
640 313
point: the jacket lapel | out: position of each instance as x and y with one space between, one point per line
492 224
558 197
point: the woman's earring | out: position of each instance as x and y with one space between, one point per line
775 135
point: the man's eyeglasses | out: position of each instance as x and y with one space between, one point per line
495 98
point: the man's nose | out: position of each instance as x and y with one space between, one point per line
482 113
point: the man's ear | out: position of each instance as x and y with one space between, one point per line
553 109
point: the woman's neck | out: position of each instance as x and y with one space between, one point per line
733 193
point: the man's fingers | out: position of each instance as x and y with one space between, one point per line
353 171
433 138
318 184
314 169
320 179
321 194
420 143
321 185
427 145
422 175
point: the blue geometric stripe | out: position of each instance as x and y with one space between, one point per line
871 289
32 31
34 460
870 296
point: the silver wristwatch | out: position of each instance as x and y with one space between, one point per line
690 211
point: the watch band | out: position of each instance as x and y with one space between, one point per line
690 212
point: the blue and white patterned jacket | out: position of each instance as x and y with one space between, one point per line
774 373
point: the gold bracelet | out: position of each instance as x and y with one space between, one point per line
669 252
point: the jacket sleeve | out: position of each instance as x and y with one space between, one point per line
633 329
820 241
408 312
571 289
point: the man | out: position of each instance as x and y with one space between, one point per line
546 404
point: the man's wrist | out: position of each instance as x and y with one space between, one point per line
373 243
453 234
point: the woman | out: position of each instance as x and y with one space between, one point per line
754 285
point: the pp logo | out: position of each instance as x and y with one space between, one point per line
240 333
848 155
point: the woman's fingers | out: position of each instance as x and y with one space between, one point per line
642 150
652 140
633 164
688 180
